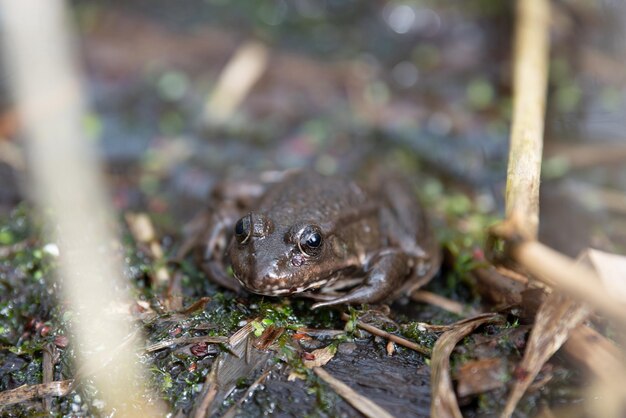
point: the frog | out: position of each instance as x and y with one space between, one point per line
333 239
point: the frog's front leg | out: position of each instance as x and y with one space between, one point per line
216 240
385 272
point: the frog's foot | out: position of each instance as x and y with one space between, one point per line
384 275
217 274
324 297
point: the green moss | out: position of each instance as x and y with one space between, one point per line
413 332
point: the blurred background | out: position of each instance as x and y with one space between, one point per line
341 85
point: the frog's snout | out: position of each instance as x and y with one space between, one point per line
263 278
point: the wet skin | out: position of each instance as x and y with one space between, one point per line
326 238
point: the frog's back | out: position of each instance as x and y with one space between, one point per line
311 196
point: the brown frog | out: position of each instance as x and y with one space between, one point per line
326 238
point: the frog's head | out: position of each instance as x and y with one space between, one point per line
273 260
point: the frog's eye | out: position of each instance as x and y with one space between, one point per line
243 229
310 242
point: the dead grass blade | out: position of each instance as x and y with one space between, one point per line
207 396
232 411
444 403
392 337
268 337
242 360
478 376
196 306
185 340
556 317
319 357
360 403
143 232
25 393
446 304
236 80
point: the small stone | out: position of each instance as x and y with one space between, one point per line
61 341
346 348
200 349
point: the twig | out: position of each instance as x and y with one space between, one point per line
321 333
529 102
361 403
47 369
207 396
25 393
384 334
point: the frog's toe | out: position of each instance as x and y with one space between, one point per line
323 304
360 295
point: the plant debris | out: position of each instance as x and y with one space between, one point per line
444 403
364 405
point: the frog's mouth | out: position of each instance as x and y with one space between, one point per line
278 290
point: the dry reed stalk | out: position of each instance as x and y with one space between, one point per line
564 274
522 193
45 80
529 103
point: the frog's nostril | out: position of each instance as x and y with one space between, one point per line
297 260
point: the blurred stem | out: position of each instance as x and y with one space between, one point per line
70 191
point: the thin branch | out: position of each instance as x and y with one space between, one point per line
384 334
